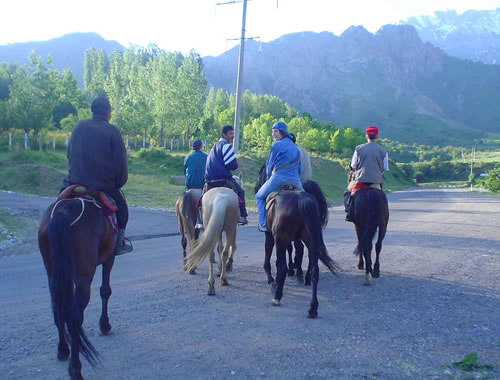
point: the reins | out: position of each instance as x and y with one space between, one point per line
82 200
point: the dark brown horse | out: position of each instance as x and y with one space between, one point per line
74 238
186 209
371 212
294 267
295 215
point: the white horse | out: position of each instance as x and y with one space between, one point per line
221 213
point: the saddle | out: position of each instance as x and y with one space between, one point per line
224 182
271 197
79 191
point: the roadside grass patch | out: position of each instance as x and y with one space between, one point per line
469 363
15 227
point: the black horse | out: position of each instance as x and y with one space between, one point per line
296 216
371 212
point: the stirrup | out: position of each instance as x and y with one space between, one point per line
126 247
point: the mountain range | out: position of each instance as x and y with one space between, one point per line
410 88
401 78
473 35
67 51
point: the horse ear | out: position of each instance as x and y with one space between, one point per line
240 176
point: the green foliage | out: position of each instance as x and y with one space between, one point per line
469 363
493 180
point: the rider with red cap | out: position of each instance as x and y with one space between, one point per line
368 162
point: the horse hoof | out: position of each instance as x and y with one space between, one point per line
105 329
312 314
229 267
192 271
63 353
300 279
211 292
224 282
376 274
368 280
361 267
276 302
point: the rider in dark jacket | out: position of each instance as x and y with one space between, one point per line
221 160
97 159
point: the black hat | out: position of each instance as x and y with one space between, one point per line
196 144
100 106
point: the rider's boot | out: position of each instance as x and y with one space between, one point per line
347 206
123 245
243 220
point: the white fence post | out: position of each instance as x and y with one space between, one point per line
54 142
10 140
66 138
144 141
126 143
25 141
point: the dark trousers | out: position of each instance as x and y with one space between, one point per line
241 194
122 212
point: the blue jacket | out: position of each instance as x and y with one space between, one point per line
194 169
220 161
284 160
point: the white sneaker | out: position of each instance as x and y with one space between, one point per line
199 226
262 228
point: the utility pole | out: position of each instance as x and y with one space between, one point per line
238 81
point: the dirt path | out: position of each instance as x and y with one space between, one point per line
437 300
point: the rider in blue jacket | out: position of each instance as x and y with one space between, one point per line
282 166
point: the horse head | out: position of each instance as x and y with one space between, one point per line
262 178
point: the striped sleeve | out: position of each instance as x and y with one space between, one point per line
228 154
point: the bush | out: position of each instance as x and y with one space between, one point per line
152 154
493 180
419 177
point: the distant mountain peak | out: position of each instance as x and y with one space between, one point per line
474 34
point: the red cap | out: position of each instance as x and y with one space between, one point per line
372 131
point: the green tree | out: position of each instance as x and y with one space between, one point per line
493 180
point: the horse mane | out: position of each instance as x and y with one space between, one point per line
313 188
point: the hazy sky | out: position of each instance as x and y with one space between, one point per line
181 25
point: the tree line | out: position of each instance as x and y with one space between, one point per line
154 94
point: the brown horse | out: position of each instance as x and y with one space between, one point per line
187 210
292 216
220 214
74 238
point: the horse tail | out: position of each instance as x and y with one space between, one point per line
205 245
310 211
61 283
372 209
313 188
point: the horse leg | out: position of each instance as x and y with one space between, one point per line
105 294
80 302
307 280
224 258
229 265
361 264
367 253
211 280
313 267
299 256
267 258
277 289
378 248
290 271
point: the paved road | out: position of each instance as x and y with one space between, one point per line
437 300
